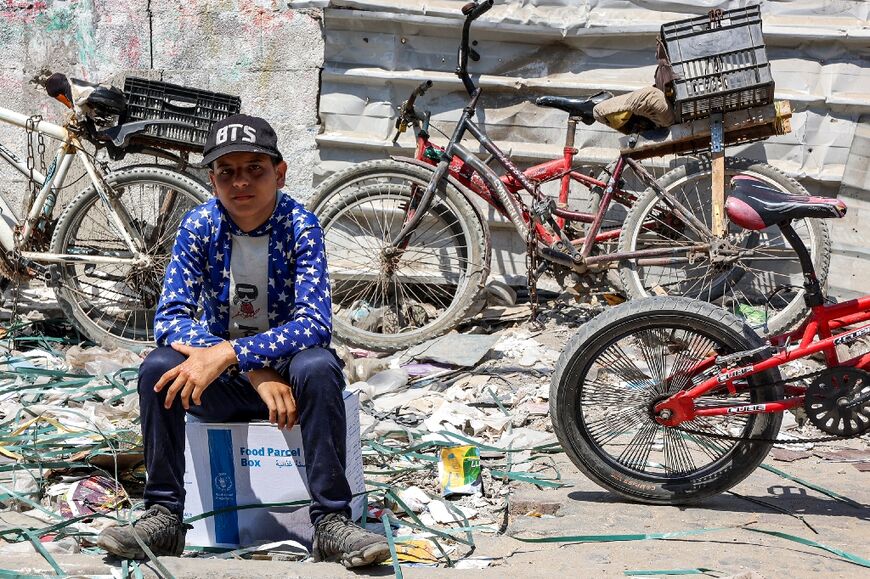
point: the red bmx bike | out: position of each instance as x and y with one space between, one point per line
668 399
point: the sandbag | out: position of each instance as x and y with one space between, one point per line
620 112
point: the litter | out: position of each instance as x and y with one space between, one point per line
464 350
417 370
94 494
381 383
474 563
442 515
99 362
416 551
415 498
457 417
459 471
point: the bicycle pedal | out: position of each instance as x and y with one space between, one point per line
561 257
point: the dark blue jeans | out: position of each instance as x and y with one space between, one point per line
317 383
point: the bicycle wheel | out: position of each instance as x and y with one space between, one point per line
391 302
626 360
615 216
114 304
742 284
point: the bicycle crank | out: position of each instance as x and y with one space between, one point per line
838 402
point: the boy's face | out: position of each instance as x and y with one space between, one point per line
246 185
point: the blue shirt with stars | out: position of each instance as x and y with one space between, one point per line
198 279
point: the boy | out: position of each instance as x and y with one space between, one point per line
253 260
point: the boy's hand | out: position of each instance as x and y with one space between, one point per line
277 395
190 378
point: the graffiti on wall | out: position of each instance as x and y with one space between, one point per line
256 49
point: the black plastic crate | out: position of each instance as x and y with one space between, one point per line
720 63
152 99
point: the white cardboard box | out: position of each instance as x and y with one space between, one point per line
240 464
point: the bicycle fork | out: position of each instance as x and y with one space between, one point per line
415 214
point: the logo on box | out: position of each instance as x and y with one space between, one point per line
223 482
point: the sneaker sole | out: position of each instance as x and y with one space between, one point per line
117 549
371 555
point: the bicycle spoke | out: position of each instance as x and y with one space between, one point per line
429 271
677 456
636 453
624 381
111 295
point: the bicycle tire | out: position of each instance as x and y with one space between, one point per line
386 186
86 293
740 287
603 348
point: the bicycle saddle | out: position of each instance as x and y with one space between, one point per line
576 107
753 204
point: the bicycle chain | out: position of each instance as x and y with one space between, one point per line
532 271
809 375
8 265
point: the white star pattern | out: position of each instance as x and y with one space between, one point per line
200 267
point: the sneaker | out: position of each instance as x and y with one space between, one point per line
336 538
160 529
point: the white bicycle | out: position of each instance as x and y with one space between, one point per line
106 252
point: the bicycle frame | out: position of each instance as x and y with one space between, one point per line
822 321
545 219
815 335
14 233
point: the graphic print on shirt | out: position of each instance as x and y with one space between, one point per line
244 297
249 278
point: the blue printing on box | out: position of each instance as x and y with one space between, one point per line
223 485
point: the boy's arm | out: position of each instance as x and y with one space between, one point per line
174 321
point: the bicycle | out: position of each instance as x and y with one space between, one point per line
668 400
106 252
409 250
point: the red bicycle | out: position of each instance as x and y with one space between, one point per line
668 400
409 248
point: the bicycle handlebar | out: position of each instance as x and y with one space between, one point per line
418 92
472 11
406 111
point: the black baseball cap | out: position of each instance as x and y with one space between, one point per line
240 134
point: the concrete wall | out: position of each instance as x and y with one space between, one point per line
261 50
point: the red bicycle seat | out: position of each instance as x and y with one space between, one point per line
754 204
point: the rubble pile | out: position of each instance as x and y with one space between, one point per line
70 445
449 429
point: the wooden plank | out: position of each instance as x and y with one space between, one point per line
718 193
740 127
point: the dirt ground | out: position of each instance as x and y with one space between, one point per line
585 509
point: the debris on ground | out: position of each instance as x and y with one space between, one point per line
452 432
